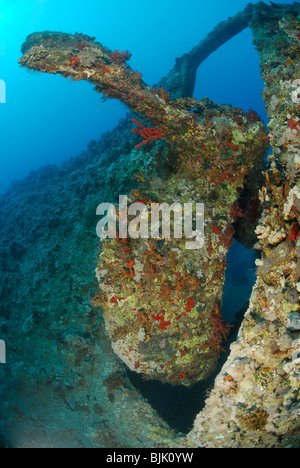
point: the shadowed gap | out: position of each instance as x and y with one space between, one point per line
178 405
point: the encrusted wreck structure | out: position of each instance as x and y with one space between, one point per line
161 302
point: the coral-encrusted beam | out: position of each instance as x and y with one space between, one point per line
81 58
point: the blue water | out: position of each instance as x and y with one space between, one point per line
48 119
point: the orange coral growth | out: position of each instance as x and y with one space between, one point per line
252 115
148 134
217 230
190 304
137 76
234 147
158 317
182 375
163 325
228 378
226 238
220 329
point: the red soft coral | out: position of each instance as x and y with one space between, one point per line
148 134
73 61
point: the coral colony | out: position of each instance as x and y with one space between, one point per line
162 302
2 352
149 134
